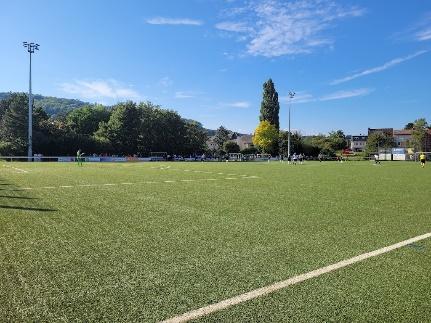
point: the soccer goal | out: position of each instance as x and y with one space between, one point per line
159 156
265 157
426 153
235 157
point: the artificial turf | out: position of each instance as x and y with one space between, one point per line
166 238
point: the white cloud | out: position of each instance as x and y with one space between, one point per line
274 28
184 95
424 34
345 94
174 21
239 104
380 68
165 81
304 97
100 89
232 26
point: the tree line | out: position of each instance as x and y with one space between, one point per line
127 128
270 139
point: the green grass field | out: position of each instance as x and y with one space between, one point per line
149 241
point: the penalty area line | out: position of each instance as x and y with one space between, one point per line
206 310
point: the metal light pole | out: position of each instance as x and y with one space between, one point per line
31 47
291 96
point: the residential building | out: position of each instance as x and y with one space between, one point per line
358 143
244 141
387 131
402 138
211 144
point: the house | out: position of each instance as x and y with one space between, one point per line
386 131
402 138
358 143
244 141
211 144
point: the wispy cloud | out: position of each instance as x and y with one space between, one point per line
165 81
239 104
345 94
304 97
419 31
100 89
380 68
233 26
174 21
185 95
274 28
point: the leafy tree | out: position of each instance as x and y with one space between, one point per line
222 135
13 125
409 126
122 129
419 134
231 147
265 136
378 140
270 107
85 120
196 137
337 140
296 143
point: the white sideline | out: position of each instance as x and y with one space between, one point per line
206 310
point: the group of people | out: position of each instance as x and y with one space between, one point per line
294 159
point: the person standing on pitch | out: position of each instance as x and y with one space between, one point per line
79 157
376 159
422 158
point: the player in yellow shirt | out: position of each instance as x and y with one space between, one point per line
422 158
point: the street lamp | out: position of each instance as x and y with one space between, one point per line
31 47
291 96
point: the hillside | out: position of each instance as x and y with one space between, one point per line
52 105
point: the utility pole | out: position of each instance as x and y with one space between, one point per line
31 47
291 96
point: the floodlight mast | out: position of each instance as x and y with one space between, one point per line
291 96
31 47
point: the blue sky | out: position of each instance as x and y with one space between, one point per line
352 64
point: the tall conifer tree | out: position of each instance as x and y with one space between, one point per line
270 108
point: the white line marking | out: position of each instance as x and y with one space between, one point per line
127 183
206 310
17 169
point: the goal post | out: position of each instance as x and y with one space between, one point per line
263 157
159 156
235 157
426 153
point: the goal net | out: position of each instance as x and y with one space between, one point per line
416 156
159 156
265 157
235 156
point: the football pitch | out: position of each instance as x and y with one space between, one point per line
150 241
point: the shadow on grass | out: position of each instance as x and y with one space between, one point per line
9 200
24 208
18 197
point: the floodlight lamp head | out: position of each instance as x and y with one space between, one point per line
25 44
